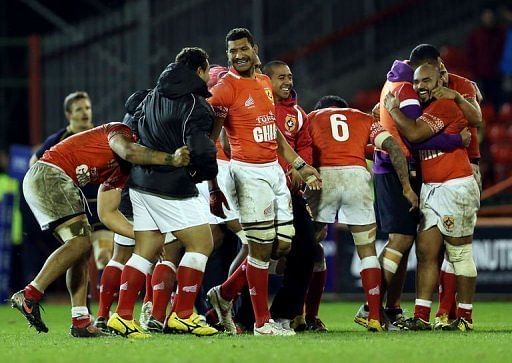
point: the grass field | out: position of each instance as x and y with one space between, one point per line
345 342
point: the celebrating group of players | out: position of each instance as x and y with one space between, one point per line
214 145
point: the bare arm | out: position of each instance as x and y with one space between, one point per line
109 214
413 130
399 162
138 154
309 174
469 107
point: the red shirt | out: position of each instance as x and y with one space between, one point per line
247 105
87 157
466 88
437 166
293 123
340 136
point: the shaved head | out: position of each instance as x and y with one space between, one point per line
426 78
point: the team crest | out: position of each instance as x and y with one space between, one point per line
290 123
449 223
268 91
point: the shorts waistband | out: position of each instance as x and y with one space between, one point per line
223 162
263 165
455 181
56 167
346 167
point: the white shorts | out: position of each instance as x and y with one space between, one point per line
204 194
152 212
130 242
346 193
451 206
260 192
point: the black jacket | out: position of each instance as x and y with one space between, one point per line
175 113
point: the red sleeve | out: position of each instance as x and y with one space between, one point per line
375 130
116 128
465 87
304 143
117 179
223 96
407 96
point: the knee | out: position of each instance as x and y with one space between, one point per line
281 250
462 259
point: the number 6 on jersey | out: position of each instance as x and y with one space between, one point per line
339 127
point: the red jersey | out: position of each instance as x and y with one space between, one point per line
87 157
466 88
407 96
293 123
340 136
437 166
247 105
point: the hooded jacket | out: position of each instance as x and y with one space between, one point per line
175 113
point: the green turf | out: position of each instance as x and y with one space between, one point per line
345 342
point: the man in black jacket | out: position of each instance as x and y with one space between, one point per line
175 113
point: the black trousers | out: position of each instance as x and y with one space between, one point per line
289 300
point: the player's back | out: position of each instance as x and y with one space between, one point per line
87 157
396 88
339 136
467 90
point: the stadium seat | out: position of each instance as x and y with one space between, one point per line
455 59
488 113
365 99
505 113
496 133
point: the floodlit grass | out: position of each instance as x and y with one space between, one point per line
345 342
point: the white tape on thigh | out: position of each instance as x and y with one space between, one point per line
365 237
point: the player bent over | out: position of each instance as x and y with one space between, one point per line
51 188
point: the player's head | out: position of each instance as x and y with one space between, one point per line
78 111
424 53
331 101
281 78
258 67
241 51
216 73
196 59
426 78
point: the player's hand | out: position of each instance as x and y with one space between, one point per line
296 181
411 196
444 92
391 102
376 112
465 134
217 200
311 177
181 157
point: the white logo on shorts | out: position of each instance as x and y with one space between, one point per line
124 286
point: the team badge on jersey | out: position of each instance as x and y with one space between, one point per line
448 223
290 123
268 91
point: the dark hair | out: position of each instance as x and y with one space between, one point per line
193 57
268 68
239 33
134 100
72 97
423 53
331 101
